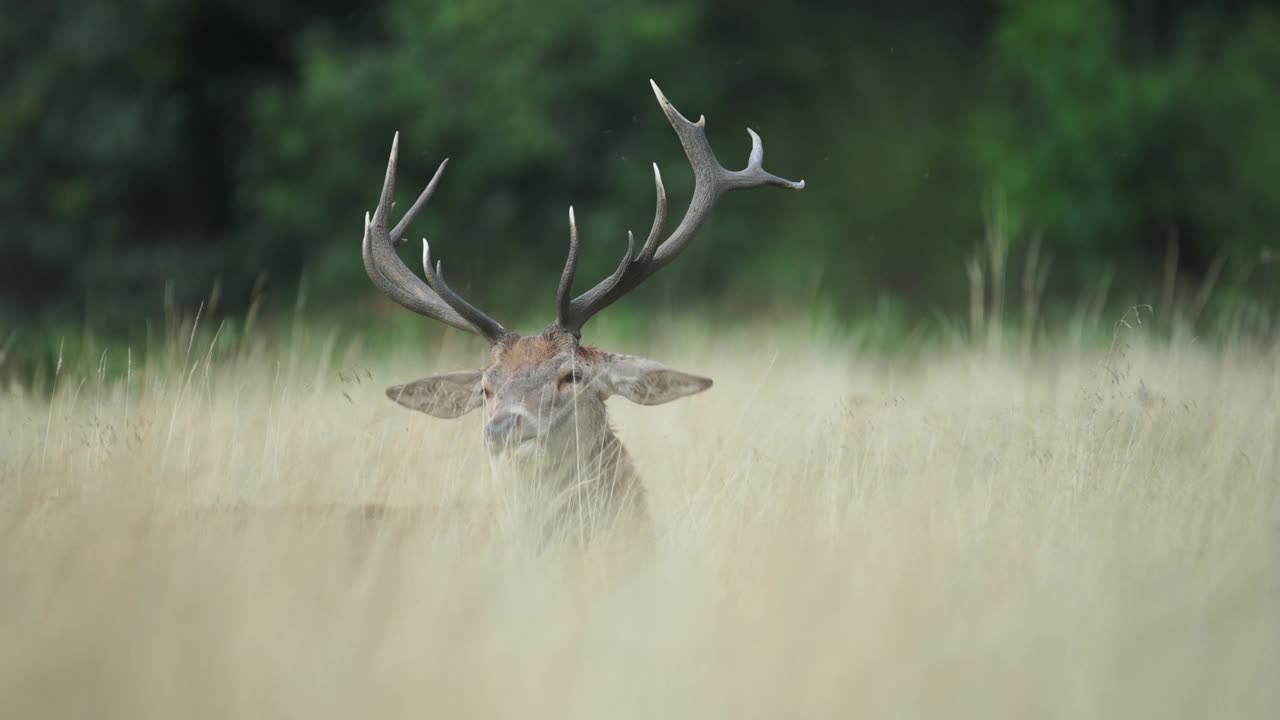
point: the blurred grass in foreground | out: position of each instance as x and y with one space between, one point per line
978 530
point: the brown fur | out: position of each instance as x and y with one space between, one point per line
589 354
534 350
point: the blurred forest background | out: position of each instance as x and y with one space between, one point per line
168 153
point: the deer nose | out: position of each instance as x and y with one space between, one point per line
502 430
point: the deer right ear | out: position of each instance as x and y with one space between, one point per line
446 396
646 382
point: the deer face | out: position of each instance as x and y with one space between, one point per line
545 394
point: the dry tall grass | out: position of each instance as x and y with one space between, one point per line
977 535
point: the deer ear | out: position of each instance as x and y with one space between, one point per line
647 382
446 396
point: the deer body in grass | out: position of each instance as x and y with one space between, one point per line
544 395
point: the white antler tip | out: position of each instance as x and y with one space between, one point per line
662 99
757 150
571 220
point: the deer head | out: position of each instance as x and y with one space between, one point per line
544 395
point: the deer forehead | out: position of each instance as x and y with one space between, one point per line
540 355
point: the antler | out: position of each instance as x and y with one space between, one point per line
711 180
433 299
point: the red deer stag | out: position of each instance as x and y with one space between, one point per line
544 395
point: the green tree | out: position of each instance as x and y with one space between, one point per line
1125 142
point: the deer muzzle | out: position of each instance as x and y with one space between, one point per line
506 430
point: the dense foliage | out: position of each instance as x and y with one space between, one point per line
163 150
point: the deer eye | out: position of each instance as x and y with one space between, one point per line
570 376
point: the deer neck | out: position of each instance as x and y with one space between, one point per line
597 464
598 458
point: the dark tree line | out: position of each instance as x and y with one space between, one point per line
237 144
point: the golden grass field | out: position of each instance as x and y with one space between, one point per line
976 533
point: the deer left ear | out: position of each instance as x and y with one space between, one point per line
446 396
646 382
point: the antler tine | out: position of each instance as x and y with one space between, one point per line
659 219
711 181
754 175
390 275
628 264
397 235
564 293
487 326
